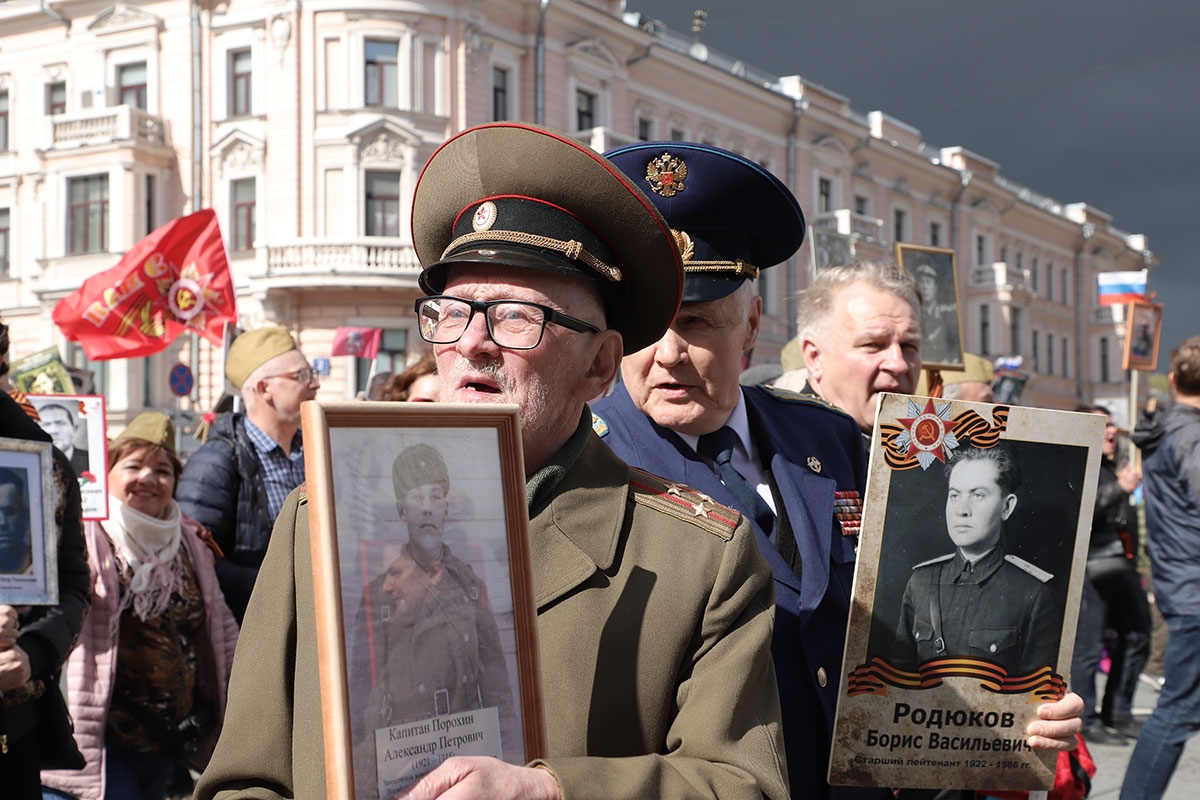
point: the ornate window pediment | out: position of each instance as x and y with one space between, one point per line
236 152
122 17
384 140
596 50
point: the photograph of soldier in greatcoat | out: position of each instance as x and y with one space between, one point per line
424 642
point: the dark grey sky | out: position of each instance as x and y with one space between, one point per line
1094 101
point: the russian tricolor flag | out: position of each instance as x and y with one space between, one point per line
1119 288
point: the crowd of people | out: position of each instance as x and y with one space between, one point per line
616 318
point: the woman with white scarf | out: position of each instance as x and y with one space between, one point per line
146 683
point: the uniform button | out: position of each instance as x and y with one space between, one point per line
822 678
464 678
421 688
466 637
992 649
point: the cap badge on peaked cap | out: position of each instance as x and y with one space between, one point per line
485 216
687 248
666 175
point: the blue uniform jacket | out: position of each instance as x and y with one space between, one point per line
812 608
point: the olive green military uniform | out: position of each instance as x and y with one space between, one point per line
654 622
998 608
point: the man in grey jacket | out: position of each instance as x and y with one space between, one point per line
1170 443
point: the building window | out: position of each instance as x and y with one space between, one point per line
645 129
676 134
824 195
243 201
380 76
1004 254
1033 276
985 330
1037 361
56 98
87 216
1014 331
499 94
1065 296
1049 353
1104 367
383 204
5 222
1020 262
131 85
980 250
861 206
239 83
1066 349
3 121
393 344
900 225
935 234
585 110
75 357
151 202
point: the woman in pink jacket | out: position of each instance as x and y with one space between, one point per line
146 683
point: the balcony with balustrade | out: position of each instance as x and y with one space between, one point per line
97 127
369 261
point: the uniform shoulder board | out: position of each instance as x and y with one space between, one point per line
1025 566
683 502
599 425
933 561
789 396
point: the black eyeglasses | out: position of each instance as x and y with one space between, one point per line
304 376
511 324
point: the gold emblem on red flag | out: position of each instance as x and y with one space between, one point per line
666 175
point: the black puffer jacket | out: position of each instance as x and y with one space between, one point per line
222 488
48 633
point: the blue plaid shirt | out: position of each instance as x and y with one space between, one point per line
281 472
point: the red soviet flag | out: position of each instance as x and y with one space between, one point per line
361 342
175 280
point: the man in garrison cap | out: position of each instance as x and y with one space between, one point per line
979 601
426 642
792 463
543 264
235 484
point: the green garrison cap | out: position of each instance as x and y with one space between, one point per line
154 427
253 349
419 465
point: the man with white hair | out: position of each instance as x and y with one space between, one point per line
235 484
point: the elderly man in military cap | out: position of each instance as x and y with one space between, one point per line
544 263
792 463
979 601
235 484
426 642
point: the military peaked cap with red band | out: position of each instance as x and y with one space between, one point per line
731 218
522 196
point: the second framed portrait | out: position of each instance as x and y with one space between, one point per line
937 288
1143 330
77 426
425 612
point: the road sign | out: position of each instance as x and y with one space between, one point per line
181 379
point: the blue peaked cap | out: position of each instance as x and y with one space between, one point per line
731 218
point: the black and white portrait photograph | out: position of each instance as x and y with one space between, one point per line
970 568
78 427
429 606
28 535
1143 329
937 290
831 249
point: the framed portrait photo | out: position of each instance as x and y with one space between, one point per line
78 426
937 288
427 638
1143 329
975 530
28 534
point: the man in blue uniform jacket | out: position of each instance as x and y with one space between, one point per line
792 463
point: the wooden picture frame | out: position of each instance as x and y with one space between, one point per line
426 638
1143 329
933 268
86 439
975 531
28 532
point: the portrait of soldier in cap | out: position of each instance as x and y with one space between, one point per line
426 643
933 270
60 418
16 553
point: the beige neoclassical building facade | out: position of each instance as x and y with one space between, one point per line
305 125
